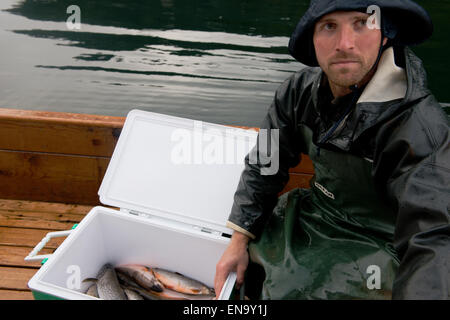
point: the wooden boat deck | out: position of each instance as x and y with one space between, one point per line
51 167
22 225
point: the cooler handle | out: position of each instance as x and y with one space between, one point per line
32 256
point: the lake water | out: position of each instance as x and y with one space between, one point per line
217 61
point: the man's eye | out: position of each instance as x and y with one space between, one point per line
329 26
361 22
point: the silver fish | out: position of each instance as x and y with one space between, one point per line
132 295
142 275
180 283
92 291
128 283
108 286
166 294
146 294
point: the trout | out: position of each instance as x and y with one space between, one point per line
128 283
108 286
92 291
131 294
180 283
142 275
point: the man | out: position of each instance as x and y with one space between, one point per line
375 223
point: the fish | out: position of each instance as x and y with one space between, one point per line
142 275
131 294
177 282
92 291
145 294
108 286
166 294
127 282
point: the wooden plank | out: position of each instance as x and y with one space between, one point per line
13 256
63 178
61 117
62 138
62 157
51 216
297 180
305 166
34 149
39 220
67 133
15 278
16 295
51 177
60 132
40 206
26 238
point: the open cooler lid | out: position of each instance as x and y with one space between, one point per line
177 168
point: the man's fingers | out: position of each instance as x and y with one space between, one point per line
240 273
218 286
234 258
219 280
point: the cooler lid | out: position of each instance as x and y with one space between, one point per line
177 168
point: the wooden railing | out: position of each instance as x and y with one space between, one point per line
62 157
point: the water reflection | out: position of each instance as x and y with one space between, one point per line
212 60
251 17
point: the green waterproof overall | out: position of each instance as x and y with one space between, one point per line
332 241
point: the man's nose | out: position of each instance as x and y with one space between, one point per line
345 39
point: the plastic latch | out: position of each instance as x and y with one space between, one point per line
74 226
207 230
44 261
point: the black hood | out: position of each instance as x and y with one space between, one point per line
409 21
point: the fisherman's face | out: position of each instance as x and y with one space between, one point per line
346 48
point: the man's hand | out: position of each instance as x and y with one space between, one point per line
235 258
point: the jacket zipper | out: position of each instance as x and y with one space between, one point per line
341 119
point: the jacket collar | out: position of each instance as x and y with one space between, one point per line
388 83
392 89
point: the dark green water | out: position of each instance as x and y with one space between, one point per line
217 61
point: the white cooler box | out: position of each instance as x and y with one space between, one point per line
174 180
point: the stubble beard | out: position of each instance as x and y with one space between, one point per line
346 77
